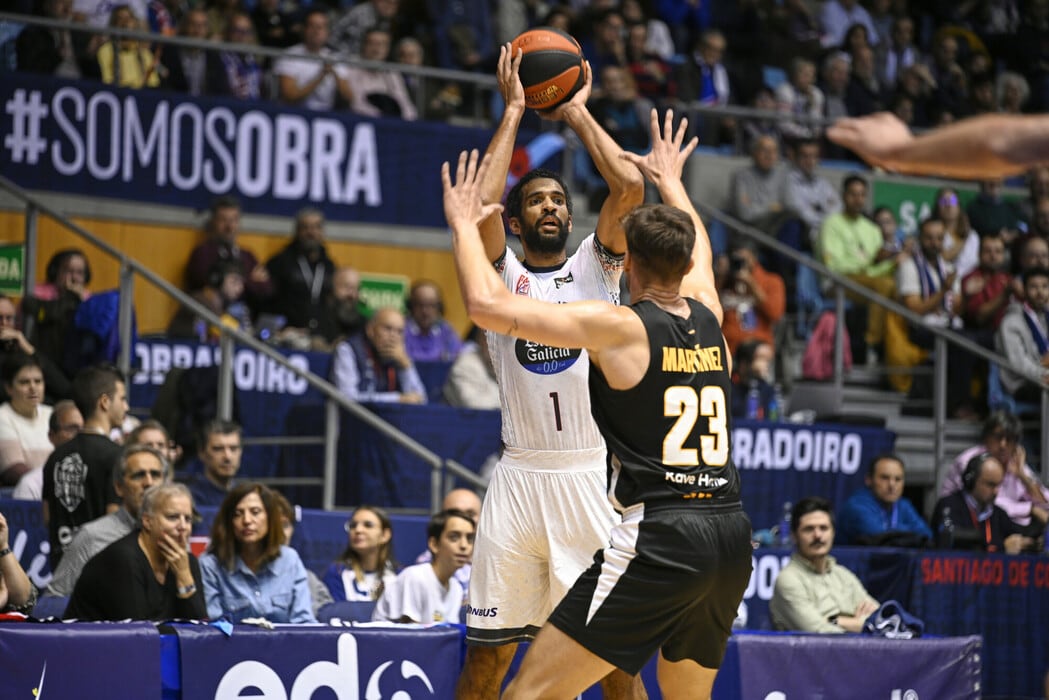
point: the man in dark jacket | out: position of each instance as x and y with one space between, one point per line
302 274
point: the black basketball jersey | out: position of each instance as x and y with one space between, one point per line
668 437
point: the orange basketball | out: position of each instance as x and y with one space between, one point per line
551 66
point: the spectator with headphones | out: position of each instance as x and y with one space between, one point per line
969 519
1022 496
427 335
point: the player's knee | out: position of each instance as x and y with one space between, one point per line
488 662
483 672
620 685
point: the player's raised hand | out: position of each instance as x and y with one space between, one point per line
507 72
874 138
669 151
462 198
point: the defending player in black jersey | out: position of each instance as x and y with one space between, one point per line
675 570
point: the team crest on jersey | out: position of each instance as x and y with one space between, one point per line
70 475
523 286
562 281
544 359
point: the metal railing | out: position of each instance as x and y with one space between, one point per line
943 338
441 469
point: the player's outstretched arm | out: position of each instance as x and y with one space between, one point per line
501 149
986 146
626 186
663 166
589 324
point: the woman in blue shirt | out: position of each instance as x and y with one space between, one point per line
247 570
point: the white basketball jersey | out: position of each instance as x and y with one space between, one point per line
544 393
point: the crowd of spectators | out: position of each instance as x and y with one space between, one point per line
928 63
810 61
990 501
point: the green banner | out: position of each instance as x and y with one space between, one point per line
912 202
378 291
12 260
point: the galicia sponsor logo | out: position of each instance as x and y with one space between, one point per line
543 359
484 612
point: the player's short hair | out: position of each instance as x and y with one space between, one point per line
660 238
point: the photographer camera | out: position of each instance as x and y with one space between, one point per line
754 299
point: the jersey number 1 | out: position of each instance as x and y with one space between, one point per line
557 410
688 406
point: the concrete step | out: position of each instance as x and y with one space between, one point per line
863 394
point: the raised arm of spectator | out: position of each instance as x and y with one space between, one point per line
991 145
501 150
626 185
663 166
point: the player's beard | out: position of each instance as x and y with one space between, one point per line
545 244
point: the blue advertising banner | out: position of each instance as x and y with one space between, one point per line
401 662
151 146
837 666
296 662
79 660
270 401
780 462
1004 598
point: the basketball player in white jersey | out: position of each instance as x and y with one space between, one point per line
545 511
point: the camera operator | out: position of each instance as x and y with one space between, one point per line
754 299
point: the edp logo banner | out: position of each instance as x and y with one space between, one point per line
295 662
